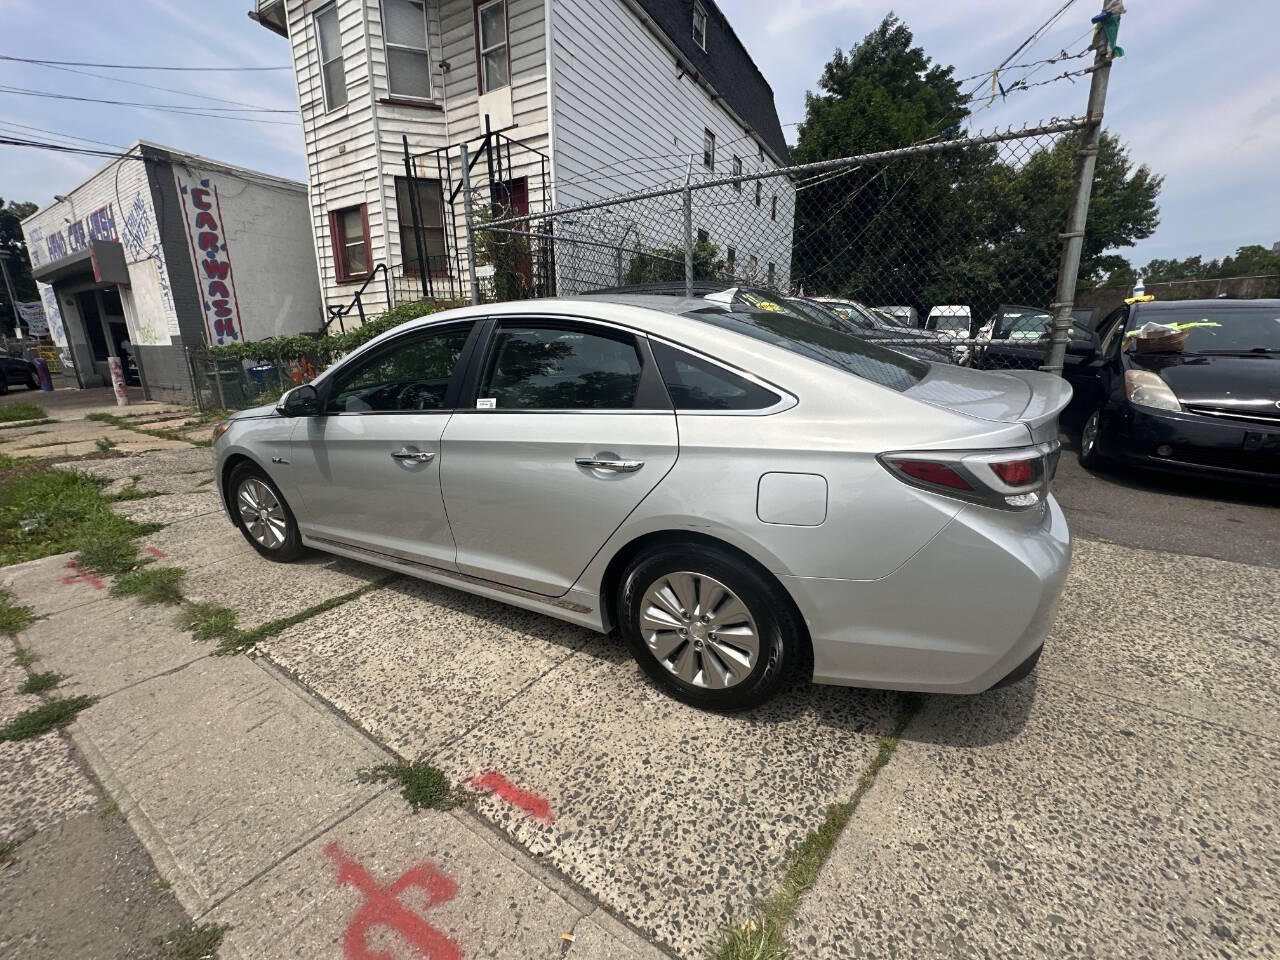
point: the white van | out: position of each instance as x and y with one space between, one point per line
952 322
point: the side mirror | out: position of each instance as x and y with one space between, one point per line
303 401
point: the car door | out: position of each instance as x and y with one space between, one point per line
368 467
569 430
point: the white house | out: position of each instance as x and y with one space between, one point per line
162 253
589 98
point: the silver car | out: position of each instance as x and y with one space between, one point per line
743 495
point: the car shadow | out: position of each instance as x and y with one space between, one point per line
973 720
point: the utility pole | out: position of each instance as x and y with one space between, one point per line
1073 237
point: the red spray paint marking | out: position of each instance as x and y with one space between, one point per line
533 804
81 576
382 908
157 553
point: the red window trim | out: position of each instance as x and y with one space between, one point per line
341 273
475 17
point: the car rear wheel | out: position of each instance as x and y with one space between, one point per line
707 628
262 515
32 382
1090 456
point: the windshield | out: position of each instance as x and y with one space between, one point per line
949 322
822 343
1231 328
1015 323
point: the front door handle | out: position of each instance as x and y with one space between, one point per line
405 455
612 466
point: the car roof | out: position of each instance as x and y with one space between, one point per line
1158 306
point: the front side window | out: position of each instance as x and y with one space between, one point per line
349 228
535 368
332 72
430 218
491 45
700 25
405 34
697 384
708 149
410 375
737 172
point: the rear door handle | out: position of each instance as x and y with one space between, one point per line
405 455
612 466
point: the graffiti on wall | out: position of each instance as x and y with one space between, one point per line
212 260
75 236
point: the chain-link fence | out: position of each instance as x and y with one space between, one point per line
950 248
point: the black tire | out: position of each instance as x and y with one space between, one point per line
780 634
291 547
4 384
32 382
1090 455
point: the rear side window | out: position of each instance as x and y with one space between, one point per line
835 348
535 368
697 384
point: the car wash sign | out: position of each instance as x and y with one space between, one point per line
212 259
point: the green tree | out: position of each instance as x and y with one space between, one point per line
666 264
14 246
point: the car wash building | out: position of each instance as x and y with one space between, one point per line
161 254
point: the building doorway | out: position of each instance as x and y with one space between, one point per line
103 317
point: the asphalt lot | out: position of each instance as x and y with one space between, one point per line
1120 802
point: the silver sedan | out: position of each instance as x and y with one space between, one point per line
743 495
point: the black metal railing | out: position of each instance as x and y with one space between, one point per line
337 312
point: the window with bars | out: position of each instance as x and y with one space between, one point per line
404 24
492 50
333 78
349 233
430 212
773 208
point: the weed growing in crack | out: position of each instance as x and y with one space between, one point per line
424 787
14 617
191 941
40 682
50 715
151 585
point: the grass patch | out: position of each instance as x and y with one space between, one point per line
109 809
29 423
104 444
425 787
151 585
9 847
40 682
208 621
162 433
62 511
133 492
11 412
764 935
191 941
50 715
14 617
241 641
111 555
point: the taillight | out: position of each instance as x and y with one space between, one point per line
1008 479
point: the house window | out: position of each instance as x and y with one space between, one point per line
737 172
731 254
333 76
708 149
349 232
700 25
491 45
404 24
704 237
430 203
759 193
773 208
772 276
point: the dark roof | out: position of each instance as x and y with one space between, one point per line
725 65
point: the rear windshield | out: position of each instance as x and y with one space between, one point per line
1016 324
832 347
1227 329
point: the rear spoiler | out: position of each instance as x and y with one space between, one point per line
1050 395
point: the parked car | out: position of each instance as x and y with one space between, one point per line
1019 340
955 322
1211 408
16 369
914 343
742 493
908 315
876 316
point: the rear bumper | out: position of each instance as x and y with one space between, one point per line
1198 444
959 617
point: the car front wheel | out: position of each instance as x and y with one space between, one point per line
262 515
707 628
1090 456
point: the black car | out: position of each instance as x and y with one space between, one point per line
914 343
16 370
1211 408
1019 340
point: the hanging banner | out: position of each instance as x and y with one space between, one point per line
211 259
32 314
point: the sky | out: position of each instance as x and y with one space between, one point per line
1196 97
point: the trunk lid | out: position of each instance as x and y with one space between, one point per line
1030 397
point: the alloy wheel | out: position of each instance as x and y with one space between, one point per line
1089 436
262 513
699 630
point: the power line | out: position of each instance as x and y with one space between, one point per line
138 66
66 148
224 113
59 133
152 86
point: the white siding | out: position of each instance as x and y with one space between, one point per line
628 118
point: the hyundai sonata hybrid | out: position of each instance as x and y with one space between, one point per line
742 495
